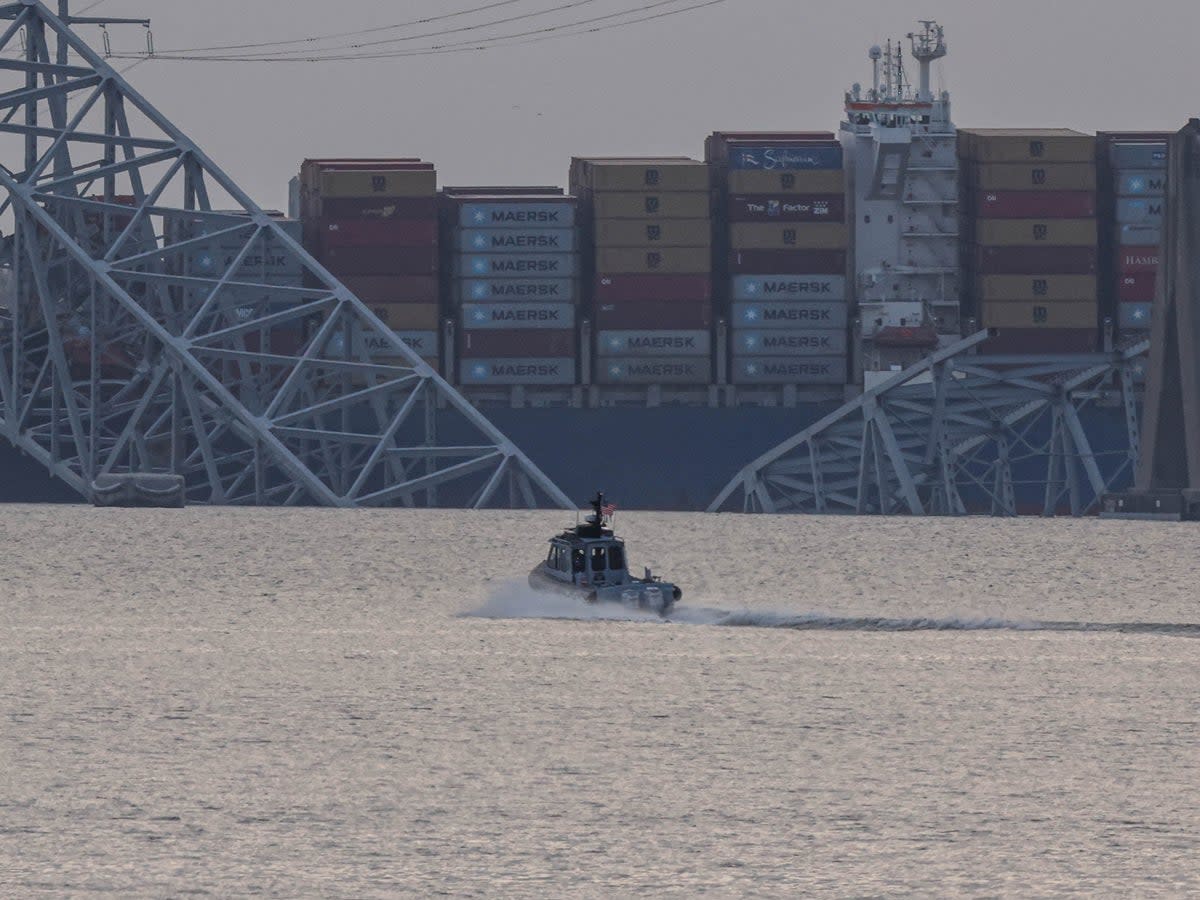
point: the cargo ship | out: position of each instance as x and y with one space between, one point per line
660 321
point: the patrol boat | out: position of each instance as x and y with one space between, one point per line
588 561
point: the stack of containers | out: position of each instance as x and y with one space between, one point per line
1134 185
374 224
512 254
1030 237
647 235
781 250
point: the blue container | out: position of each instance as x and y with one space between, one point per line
790 342
1138 156
789 370
682 370
1145 183
514 240
789 287
1134 316
785 159
517 215
796 314
653 343
509 265
516 290
534 370
518 316
1140 212
1140 236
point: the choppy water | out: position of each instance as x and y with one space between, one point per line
312 703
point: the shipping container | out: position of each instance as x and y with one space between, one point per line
1035 204
1024 177
514 316
541 371
506 344
423 343
653 315
377 208
787 262
1137 287
683 370
1143 183
379 183
380 347
1132 211
656 343
377 233
765 208
1138 259
382 260
275 266
666 233
1039 260
782 287
519 214
511 240
667 175
512 290
1039 314
719 144
1023 232
484 192
1042 341
509 265
1021 145
664 288
689 205
1037 287
665 261
789 370
408 316
770 236
1139 235
795 158
1134 316
821 181
1147 155
794 314
392 288
790 342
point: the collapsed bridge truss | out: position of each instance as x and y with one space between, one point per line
141 331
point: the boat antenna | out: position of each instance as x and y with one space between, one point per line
598 506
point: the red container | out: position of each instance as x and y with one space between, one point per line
1034 341
382 260
652 314
798 208
393 289
513 344
787 262
1035 204
378 233
1137 287
1035 260
1138 259
653 288
380 208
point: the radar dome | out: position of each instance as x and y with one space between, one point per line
876 52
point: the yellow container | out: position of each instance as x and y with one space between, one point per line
1032 145
664 261
1034 177
1004 288
652 206
666 233
408 316
668 175
1031 232
1040 314
789 236
820 181
382 183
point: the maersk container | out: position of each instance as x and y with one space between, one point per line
658 288
611 233
512 290
1148 155
1138 259
783 287
1038 260
774 370
511 265
687 205
818 181
1035 204
276 267
653 315
794 314
423 343
514 316
1039 314
660 343
786 159
811 208
1137 287
382 260
787 262
1134 316
1032 177
784 236
790 342
1026 232
503 372
663 261
380 347
1139 235
393 288
505 344
377 233
511 240
1036 287
682 370
518 215
1140 212
1144 183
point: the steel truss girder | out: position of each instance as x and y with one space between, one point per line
129 344
954 425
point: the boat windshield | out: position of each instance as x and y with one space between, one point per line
599 558
578 560
616 558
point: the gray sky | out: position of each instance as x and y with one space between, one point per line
517 115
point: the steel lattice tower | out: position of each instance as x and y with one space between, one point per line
123 349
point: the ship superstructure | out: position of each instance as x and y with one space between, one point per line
902 193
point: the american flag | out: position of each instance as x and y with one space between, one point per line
609 508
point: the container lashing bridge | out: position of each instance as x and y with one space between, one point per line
124 348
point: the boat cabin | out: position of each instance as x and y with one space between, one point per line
589 554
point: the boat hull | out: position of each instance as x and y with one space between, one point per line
647 596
